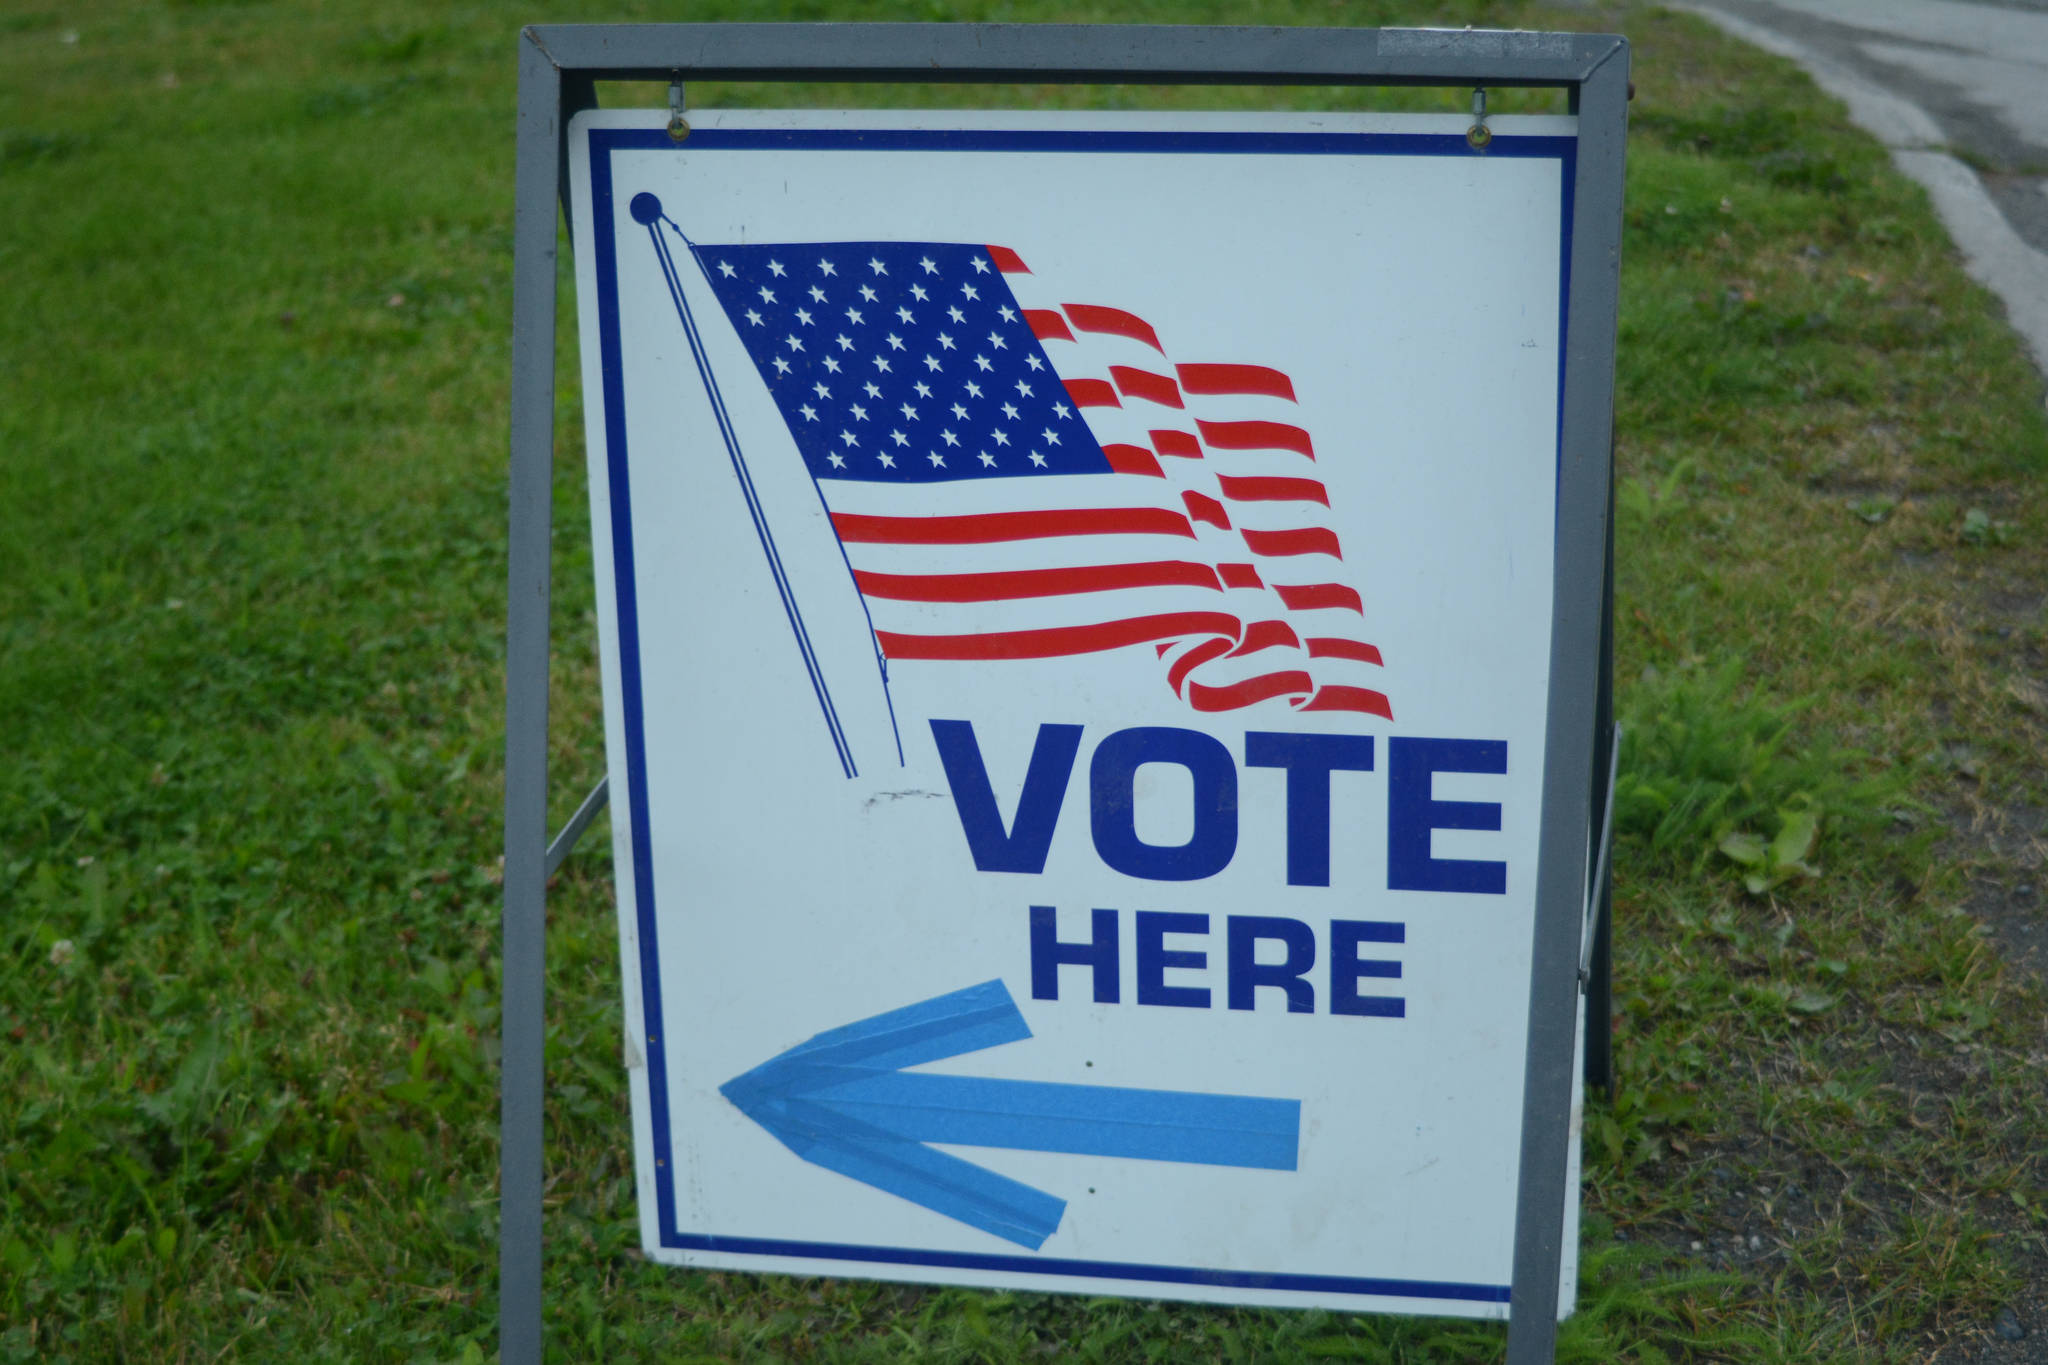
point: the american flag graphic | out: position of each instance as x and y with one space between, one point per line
1012 475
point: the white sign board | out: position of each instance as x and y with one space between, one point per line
1075 604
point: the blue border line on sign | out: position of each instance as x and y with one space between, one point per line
1098 1270
604 142
611 358
1567 174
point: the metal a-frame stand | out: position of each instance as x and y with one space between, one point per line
559 67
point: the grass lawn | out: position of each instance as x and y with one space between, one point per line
253 359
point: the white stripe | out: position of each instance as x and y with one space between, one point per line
971 497
1014 556
1040 613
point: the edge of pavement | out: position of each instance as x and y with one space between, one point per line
1995 255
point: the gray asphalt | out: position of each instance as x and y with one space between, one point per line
1981 71
1958 89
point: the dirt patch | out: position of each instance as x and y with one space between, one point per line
1998 833
2015 911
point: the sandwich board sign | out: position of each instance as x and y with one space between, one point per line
1079 602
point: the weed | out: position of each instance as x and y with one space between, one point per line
20 147
1980 530
1641 498
1772 864
1706 764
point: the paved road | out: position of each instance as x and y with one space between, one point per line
1959 90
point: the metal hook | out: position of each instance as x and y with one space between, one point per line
1478 135
678 126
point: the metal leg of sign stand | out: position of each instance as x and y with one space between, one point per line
546 103
1599 1073
1585 495
524 928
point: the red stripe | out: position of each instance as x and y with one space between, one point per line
1047 325
1015 583
1133 460
1137 383
1090 317
1193 659
1256 436
1235 379
1313 596
1240 576
1008 261
989 527
1267 489
1307 540
1176 443
1202 507
1060 640
1325 647
1092 393
1364 699
1266 635
1249 692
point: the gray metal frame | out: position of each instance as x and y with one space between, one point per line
559 66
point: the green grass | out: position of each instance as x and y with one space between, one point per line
253 359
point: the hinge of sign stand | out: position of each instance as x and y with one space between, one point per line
563 844
1598 886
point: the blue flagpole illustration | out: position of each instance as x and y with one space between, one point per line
646 210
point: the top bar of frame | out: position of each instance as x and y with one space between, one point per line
1073 53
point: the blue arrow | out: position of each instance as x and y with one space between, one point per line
841 1100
